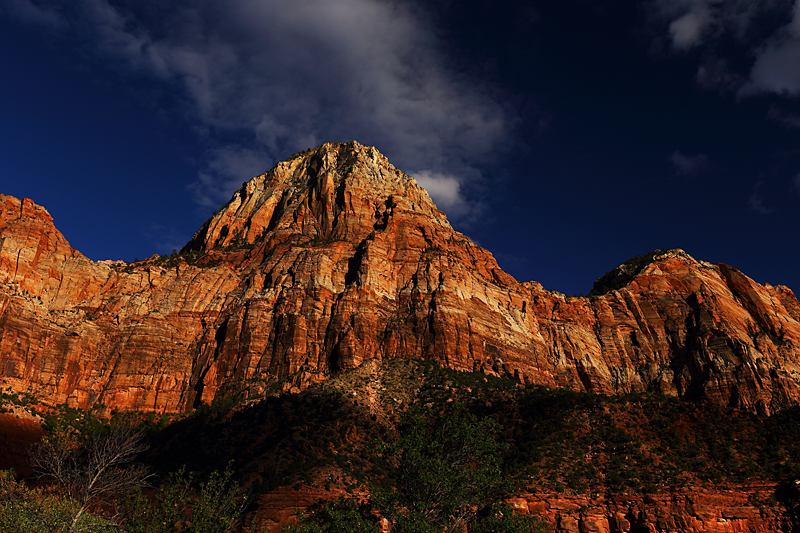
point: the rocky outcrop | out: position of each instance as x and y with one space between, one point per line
335 257
738 509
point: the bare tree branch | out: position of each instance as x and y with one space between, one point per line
95 471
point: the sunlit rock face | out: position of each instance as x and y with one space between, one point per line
335 257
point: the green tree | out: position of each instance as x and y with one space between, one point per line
448 476
215 507
339 516
448 468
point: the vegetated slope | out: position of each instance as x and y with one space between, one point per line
335 257
325 441
564 446
560 440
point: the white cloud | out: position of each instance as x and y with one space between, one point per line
285 75
443 189
777 69
688 165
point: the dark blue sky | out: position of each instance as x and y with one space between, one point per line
565 137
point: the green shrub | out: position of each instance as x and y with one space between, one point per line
339 516
216 506
446 469
25 510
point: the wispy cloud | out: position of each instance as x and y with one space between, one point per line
756 201
688 165
285 75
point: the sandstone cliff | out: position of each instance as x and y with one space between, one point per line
335 257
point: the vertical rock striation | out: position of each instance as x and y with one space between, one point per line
334 257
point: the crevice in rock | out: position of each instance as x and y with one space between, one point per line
354 264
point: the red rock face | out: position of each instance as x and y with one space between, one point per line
335 257
737 509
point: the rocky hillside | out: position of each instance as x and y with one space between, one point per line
335 257
584 462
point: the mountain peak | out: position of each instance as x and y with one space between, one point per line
624 273
335 257
337 191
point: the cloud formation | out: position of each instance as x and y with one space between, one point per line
777 65
274 77
761 38
444 189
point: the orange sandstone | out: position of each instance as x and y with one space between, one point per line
336 257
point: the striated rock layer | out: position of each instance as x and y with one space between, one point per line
335 257
740 509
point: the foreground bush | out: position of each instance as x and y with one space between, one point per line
215 507
26 510
181 505
447 477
